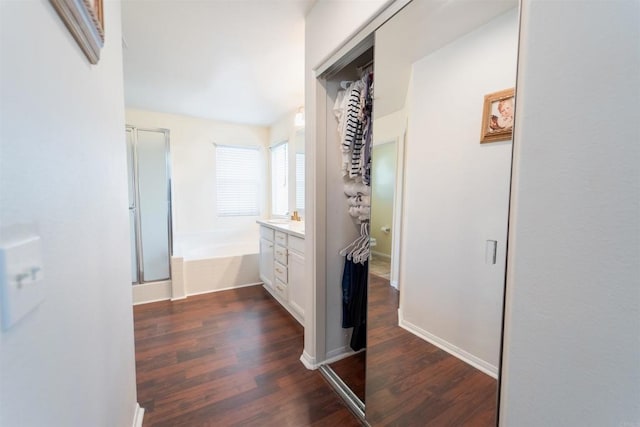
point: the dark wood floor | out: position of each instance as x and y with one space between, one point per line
410 382
352 372
225 359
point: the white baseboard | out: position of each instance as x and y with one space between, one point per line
381 255
151 292
339 354
138 416
308 361
210 291
466 357
284 304
312 363
394 283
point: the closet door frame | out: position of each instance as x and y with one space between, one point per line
314 353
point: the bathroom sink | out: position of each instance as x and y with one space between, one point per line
278 221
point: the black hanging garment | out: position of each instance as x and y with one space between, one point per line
354 301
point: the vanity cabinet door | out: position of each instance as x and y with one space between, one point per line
296 282
266 262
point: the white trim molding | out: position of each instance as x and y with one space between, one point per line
151 292
228 288
381 255
453 350
339 354
308 361
138 416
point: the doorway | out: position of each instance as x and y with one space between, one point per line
149 204
383 188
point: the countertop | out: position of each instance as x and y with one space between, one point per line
295 228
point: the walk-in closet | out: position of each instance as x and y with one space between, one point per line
443 100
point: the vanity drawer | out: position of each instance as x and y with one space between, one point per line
281 289
280 272
296 244
280 254
281 238
266 233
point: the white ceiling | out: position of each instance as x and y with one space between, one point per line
240 61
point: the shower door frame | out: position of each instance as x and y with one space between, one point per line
136 205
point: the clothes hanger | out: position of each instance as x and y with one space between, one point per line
361 252
351 247
345 84
364 235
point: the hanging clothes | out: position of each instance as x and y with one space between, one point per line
347 110
353 109
354 287
354 301
367 132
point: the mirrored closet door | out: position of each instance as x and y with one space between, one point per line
440 177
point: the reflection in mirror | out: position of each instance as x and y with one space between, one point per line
347 202
383 187
433 347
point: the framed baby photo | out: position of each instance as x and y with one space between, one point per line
85 21
497 116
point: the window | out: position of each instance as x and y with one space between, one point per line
300 181
238 180
279 179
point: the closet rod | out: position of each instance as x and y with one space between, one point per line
362 67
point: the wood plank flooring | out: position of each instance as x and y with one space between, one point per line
352 372
228 358
410 382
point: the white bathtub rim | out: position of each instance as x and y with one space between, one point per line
188 257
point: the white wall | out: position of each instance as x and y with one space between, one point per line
572 344
389 128
285 130
457 192
193 166
71 361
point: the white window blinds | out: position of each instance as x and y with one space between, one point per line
299 181
279 180
238 180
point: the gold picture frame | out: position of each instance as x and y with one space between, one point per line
497 116
85 21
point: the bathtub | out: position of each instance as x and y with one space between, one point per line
214 261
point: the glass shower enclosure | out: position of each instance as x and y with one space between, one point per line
149 204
